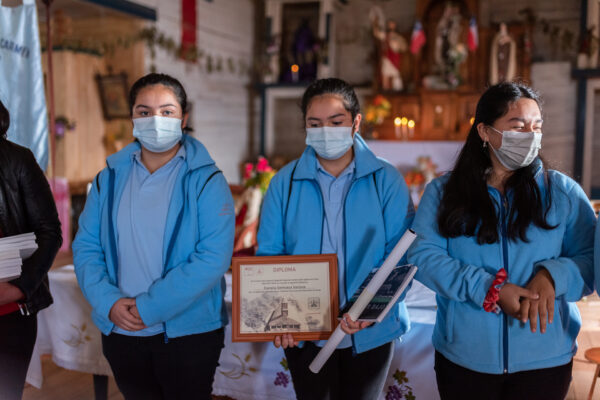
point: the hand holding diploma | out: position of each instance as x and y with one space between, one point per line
285 340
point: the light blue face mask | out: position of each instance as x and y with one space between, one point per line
330 142
157 134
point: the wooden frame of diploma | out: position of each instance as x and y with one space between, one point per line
274 295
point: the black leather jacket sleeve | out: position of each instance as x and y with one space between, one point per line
38 214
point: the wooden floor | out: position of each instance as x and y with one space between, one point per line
61 384
589 336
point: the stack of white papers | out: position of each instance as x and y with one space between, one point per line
13 250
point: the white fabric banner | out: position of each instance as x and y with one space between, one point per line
22 80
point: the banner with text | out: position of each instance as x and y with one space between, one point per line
22 80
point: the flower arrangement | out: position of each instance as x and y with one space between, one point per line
416 179
423 173
456 56
378 110
259 174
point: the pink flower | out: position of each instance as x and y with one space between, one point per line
262 165
248 170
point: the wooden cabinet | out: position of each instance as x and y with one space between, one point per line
438 115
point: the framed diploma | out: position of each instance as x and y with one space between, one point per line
284 294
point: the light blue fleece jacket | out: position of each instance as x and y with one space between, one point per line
197 250
461 271
377 211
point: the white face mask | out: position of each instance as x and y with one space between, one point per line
157 134
330 142
518 149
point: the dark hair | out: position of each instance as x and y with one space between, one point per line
466 207
159 79
333 86
4 121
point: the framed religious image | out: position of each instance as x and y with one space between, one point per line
113 95
284 294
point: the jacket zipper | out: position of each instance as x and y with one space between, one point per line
171 244
354 352
504 208
111 225
314 182
321 244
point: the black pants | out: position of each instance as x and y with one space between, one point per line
17 338
344 376
147 368
456 382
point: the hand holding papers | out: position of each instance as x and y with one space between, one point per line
13 250
365 298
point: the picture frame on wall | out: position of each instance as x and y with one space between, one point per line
113 95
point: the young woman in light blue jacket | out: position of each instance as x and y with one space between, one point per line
338 197
507 246
154 241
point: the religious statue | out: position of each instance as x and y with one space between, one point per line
391 44
503 57
302 56
449 51
271 59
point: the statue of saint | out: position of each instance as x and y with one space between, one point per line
503 57
447 38
449 51
392 45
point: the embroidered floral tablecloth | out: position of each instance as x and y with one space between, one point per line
250 371
247 371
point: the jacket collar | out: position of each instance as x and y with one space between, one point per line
365 161
196 154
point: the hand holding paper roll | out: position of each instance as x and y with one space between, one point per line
350 326
363 300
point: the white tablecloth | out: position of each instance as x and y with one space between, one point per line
246 370
66 331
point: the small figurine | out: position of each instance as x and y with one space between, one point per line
503 59
392 45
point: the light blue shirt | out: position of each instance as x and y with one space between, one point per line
141 221
334 191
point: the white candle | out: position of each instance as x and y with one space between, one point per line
404 128
397 124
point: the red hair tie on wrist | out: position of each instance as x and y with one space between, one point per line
493 294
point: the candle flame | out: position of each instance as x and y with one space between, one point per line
295 68
397 121
411 124
404 120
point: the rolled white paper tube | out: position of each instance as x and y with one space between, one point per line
388 265
363 300
332 343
